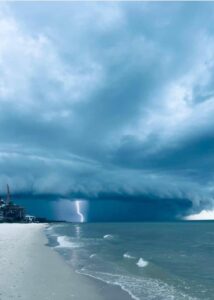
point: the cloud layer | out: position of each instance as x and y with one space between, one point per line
108 98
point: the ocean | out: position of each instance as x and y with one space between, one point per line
159 261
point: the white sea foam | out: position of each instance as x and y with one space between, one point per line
64 242
49 228
107 278
108 237
93 255
139 288
127 255
142 263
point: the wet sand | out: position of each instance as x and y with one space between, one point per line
29 269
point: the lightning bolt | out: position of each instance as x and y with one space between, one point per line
78 207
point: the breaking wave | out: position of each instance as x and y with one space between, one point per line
142 263
64 242
93 255
127 255
139 288
109 237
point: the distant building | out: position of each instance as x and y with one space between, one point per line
30 219
1 215
13 213
10 212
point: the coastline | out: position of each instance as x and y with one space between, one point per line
32 270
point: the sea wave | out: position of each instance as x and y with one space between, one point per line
93 255
64 242
49 228
142 263
139 288
107 278
109 237
127 255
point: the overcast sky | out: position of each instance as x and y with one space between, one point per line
108 97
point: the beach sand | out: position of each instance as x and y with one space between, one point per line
30 270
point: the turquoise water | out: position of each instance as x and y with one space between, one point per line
148 260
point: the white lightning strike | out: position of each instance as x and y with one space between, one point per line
78 207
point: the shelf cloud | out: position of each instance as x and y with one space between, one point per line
114 98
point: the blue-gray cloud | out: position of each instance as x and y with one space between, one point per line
108 98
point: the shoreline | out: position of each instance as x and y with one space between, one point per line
30 269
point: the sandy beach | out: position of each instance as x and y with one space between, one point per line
32 270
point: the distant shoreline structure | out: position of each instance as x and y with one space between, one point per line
13 213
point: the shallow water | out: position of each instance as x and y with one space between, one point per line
148 260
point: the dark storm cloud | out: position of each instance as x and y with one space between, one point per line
108 98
